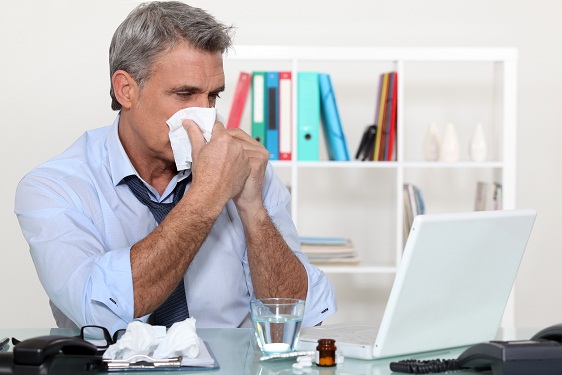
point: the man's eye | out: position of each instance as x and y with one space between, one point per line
183 94
215 96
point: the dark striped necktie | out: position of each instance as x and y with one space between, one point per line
174 309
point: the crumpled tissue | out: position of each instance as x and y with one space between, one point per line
181 146
153 341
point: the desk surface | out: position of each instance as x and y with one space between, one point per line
237 353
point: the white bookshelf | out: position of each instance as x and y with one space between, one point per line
461 84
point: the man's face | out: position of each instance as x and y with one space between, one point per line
181 78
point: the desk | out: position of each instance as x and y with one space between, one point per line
237 353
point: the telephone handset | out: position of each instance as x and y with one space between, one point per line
541 355
50 355
553 333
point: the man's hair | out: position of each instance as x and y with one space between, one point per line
155 27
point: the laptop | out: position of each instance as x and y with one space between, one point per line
450 290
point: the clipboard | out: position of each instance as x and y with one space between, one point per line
146 363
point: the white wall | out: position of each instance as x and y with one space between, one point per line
54 85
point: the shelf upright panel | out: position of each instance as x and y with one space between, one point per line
294 142
509 108
400 159
509 118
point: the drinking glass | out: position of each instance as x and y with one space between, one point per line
277 323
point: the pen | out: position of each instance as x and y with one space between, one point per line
4 342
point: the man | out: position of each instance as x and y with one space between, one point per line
104 254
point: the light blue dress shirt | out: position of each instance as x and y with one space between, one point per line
80 225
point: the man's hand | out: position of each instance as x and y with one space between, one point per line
234 164
220 167
250 198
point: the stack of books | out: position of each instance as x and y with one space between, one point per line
271 97
488 196
329 250
379 140
413 206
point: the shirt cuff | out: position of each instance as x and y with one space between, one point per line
112 283
320 297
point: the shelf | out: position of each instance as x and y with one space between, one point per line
302 53
388 164
359 269
433 86
501 63
459 165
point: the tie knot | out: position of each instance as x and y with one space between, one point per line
158 210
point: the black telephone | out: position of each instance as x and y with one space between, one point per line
541 355
50 355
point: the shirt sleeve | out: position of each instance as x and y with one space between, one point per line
88 283
321 297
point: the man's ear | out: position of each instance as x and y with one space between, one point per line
124 87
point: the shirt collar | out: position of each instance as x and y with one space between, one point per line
119 163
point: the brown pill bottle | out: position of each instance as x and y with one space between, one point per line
326 353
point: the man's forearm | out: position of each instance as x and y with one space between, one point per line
159 261
276 271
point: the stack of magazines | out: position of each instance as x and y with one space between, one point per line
329 250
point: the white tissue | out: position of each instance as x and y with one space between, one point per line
181 146
153 341
139 338
181 340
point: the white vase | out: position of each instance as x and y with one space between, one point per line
478 147
431 143
449 150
